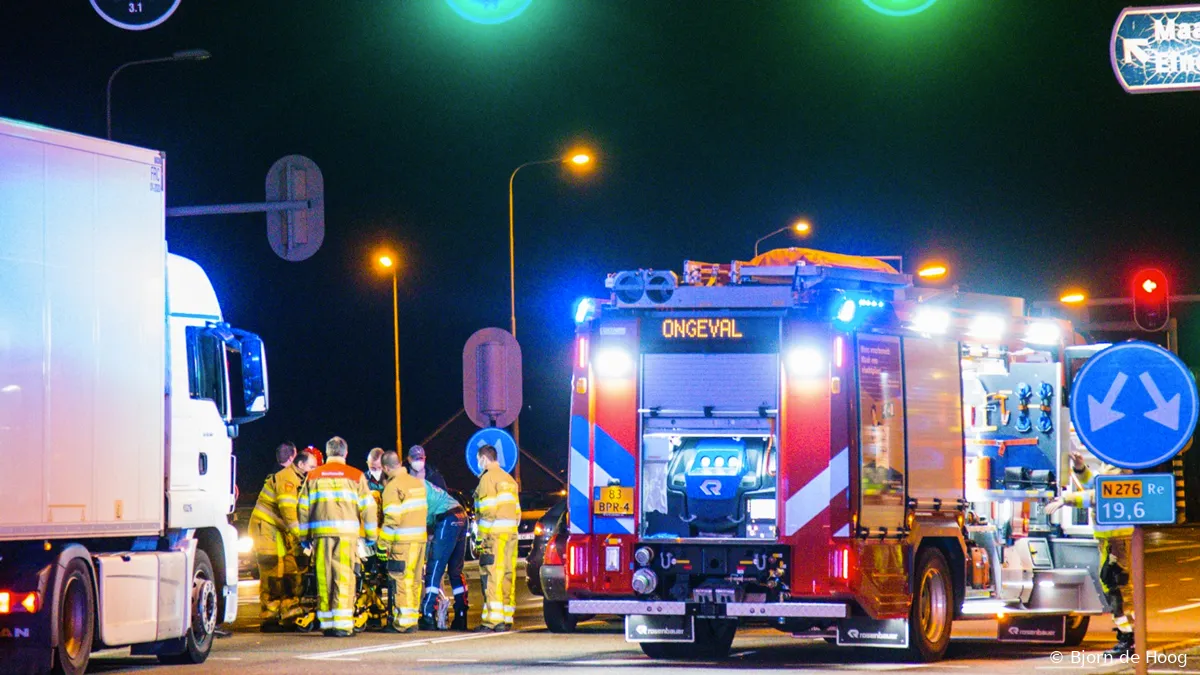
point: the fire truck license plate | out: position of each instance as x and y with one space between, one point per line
1122 488
614 501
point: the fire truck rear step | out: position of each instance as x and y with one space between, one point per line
805 610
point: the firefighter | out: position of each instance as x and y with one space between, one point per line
276 533
1114 550
499 512
448 521
403 538
334 504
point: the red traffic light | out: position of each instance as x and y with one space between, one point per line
1151 304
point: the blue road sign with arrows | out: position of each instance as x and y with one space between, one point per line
1157 48
1134 405
501 440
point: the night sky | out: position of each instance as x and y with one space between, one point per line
990 134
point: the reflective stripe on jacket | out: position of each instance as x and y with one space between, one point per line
277 501
336 502
404 509
496 504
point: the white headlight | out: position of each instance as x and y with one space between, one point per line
931 321
988 327
245 545
1043 333
613 362
805 362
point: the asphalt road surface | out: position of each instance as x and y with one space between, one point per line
1173 585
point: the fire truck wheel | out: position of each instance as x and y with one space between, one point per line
1077 628
932 607
714 639
557 618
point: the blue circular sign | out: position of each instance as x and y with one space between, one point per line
501 440
1134 405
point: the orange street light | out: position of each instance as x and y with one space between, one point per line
1073 298
933 271
386 260
800 227
581 158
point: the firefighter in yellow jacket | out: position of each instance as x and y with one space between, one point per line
1114 544
334 504
276 533
498 511
403 539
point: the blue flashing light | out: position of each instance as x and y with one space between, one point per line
846 310
585 310
489 11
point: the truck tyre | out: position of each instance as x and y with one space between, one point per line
76 627
199 637
932 612
1077 628
714 639
558 619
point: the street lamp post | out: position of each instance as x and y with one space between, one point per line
578 159
388 263
800 227
184 55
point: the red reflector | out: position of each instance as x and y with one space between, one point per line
552 556
5 602
31 603
577 559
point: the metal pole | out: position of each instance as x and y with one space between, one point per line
186 55
512 290
1139 599
396 345
512 307
250 207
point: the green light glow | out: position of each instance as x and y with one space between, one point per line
489 11
899 7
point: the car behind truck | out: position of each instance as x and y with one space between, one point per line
810 442
121 387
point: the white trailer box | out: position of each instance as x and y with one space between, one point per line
82 321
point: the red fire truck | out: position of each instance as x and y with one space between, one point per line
807 441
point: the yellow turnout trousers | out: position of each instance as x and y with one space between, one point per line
278 574
406 560
498 572
334 559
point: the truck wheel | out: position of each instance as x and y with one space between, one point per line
1077 628
932 611
558 619
714 639
76 619
199 638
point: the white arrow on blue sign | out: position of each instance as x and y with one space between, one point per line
501 440
1157 48
1134 405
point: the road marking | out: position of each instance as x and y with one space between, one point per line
1167 549
1181 608
1152 585
1188 579
1192 559
447 660
359 651
225 658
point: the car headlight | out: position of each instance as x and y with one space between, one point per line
245 545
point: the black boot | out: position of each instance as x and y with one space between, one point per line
1124 645
460 620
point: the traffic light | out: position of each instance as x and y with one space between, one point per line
1151 304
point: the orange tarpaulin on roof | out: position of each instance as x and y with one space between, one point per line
810 256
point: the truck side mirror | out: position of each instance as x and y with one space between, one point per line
248 393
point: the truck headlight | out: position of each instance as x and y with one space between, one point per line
245 545
644 581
